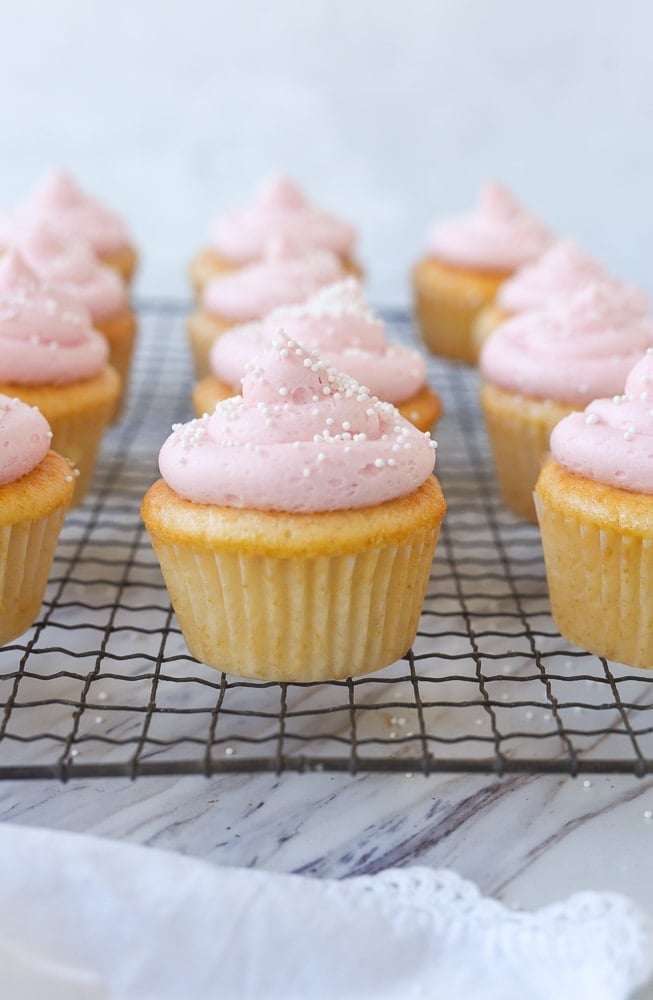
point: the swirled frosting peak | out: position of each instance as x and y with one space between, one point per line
561 270
59 201
302 438
280 278
338 322
25 437
577 349
499 235
612 441
71 263
46 336
280 209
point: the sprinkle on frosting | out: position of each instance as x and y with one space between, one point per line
280 210
60 202
612 441
71 263
561 270
301 438
46 337
573 351
25 437
338 322
280 278
500 235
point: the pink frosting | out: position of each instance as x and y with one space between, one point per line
60 202
280 210
577 349
25 437
302 437
338 323
70 263
280 278
612 441
46 337
561 271
499 235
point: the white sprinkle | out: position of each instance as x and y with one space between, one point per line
228 751
648 814
591 418
379 463
587 783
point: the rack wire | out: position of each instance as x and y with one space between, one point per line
103 684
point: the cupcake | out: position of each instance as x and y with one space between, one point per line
71 264
561 270
338 323
52 358
467 260
295 525
36 488
59 202
279 211
280 278
540 366
594 500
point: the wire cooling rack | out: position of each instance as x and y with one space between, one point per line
103 684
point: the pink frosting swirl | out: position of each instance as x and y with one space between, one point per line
70 263
280 278
612 441
577 349
46 337
499 235
301 438
60 202
25 437
280 210
339 324
561 271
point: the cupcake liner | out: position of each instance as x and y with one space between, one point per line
486 322
120 333
600 583
27 546
301 597
203 329
447 302
519 429
301 619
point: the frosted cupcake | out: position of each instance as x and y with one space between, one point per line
278 211
36 488
339 324
540 366
60 203
594 501
561 271
296 524
467 259
71 264
280 278
52 358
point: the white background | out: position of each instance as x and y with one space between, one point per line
390 113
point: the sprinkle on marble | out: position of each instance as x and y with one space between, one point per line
587 783
648 815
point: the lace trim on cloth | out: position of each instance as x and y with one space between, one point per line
87 919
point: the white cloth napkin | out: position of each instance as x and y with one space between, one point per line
87 919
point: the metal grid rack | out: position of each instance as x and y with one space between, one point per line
103 684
